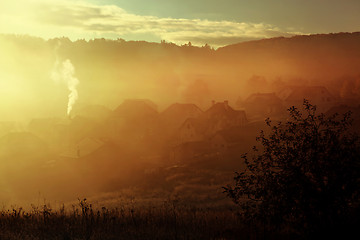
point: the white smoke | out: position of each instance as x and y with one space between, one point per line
65 73
72 82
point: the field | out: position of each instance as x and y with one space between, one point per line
171 219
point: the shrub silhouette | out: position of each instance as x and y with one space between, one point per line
304 178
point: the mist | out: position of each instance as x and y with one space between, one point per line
90 117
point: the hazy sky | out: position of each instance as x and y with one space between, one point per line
217 22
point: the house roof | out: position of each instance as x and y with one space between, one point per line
135 108
264 98
212 116
222 109
299 93
181 108
177 113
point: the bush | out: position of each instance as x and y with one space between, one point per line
305 177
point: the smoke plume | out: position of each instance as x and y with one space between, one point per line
65 73
72 82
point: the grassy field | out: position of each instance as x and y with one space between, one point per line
169 220
191 205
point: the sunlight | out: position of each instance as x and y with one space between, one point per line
119 117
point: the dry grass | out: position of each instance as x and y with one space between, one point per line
170 220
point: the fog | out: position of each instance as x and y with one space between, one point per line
87 117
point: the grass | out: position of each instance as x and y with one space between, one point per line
170 220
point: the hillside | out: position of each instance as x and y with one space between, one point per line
313 56
110 71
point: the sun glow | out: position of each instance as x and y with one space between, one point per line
80 19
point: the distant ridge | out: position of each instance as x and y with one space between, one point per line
342 36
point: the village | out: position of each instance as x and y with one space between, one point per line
137 144
182 132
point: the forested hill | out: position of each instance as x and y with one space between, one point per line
110 71
334 54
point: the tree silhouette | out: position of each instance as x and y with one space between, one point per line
305 177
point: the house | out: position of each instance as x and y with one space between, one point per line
260 105
218 117
317 95
60 133
221 116
133 109
175 115
134 120
192 130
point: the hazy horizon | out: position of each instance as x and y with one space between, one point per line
201 22
38 75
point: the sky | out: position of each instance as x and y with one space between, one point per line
213 22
